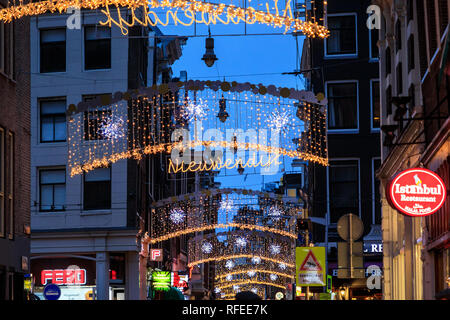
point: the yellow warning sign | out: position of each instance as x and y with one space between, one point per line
310 266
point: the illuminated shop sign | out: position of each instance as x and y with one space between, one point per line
373 247
180 281
156 255
416 192
161 280
64 276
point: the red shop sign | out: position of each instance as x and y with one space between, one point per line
64 276
416 192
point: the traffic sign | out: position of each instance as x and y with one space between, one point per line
52 292
310 266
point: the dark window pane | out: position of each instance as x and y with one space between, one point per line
97 189
375 104
344 189
398 35
377 198
342 106
374 53
399 79
52 188
411 56
53 50
97 48
342 38
53 120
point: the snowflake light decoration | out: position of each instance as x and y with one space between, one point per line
278 121
229 264
275 212
282 266
256 260
236 288
275 249
177 215
251 273
217 290
255 291
207 247
112 129
194 110
241 242
229 277
273 277
226 205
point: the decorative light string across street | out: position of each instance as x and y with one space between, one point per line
179 12
264 124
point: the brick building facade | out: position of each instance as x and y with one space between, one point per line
14 157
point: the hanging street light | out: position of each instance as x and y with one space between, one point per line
209 57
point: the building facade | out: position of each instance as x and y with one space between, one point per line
414 92
14 157
344 67
87 222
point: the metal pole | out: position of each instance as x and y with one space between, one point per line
307 245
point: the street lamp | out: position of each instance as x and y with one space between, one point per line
223 114
209 57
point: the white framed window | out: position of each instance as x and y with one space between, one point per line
343 106
376 197
343 188
343 39
52 118
97 48
375 105
52 189
53 50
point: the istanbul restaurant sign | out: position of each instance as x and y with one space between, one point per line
416 192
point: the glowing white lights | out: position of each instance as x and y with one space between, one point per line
255 291
282 266
275 212
273 277
236 288
217 290
112 129
256 260
177 215
229 277
251 273
229 264
207 247
226 205
277 120
241 242
275 248
194 110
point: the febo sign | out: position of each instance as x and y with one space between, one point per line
64 276
416 192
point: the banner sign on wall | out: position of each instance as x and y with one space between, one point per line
416 192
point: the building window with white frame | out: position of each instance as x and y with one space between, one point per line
343 35
343 177
53 120
97 189
97 48
52 190
375 103
342 105
53 50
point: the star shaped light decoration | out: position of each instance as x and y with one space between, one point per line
229 264
229 277
282 266
207 247
177 215
251 273
226 205
241 242
256 260
273 277
194 110
278 120
275 212
275 249
112 128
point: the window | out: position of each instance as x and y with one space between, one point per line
374 35
410 10
376 219
2 46
10 155
53 120
2 182
93 122
52 190
375 103
53 50
97 48
342 105
411 62
343 188
399 78
412 94
342 40
7 48
398 35
97 189
388 61
389 100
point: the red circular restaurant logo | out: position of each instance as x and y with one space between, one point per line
417 192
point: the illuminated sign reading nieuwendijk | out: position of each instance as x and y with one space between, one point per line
417 192
64 276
